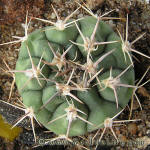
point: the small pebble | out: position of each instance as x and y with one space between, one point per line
148 132
123 138
80 15
53 16
132 128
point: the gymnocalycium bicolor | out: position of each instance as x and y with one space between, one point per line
74 75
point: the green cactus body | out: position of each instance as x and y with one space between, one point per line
46 46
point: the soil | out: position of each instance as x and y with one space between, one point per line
134 135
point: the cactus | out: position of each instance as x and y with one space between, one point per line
74 78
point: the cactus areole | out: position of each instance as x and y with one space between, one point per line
74 78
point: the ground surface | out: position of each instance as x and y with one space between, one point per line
12 15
